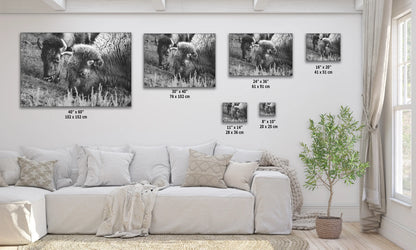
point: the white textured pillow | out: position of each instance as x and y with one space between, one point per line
239 175
82 162
150 163
179 159
9 168
107 168
65 162
239 155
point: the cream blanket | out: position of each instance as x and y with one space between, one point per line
128 211
301 221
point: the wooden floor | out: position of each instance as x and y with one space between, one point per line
351 238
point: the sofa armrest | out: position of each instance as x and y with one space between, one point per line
273 205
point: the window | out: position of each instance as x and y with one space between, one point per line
402 111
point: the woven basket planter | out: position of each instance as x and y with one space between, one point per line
328 227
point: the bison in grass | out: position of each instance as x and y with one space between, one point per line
107 62
167 41
56 45
195 59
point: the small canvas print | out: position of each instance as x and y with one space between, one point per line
75 69
179 60
267 109
323 47
234 112
261 54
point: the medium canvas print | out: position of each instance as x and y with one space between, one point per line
75 69
261 54
323 47
267 109
179 60
234 112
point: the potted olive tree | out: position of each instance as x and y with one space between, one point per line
330 158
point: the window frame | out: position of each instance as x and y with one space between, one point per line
397 106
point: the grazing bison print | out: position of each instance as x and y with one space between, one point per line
234 112
261 54
75 69
267 109
323 47
179 60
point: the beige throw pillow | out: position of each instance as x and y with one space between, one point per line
36 174
2 182
239 175
206 170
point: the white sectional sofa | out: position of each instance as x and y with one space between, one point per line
27 213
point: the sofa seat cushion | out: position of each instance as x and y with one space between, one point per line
203 210
178 210
76 210
22 215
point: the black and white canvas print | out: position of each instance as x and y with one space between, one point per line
261 54
267 109
234 112
179 60
323 47
75 69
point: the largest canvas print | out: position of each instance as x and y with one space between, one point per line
75 69
261 54
179 60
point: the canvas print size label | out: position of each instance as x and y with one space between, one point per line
260 84
76 114
234 130
268 124
179 94
323 69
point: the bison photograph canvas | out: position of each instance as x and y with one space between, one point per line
323 47
179 60
75 69
261 54
234 112
267 109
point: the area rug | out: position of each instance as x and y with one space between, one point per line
206 242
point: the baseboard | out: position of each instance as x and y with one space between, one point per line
397 233
350 213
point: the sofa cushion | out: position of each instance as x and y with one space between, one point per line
22 213
203 210
239 175
239 155
9 168
64 158
179 159
206 170
76 210
107 168
82 159
36 174
150 163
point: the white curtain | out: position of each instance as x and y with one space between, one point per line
376 34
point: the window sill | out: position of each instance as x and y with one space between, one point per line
403 203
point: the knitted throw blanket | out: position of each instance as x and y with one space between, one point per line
301 221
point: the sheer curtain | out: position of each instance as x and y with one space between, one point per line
376 35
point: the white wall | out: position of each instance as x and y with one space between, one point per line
399 224
156 119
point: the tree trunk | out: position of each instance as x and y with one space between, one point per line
328 212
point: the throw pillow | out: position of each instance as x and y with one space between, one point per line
36 174
239 155
9 168
107 168
179 159
65 162
82 159
206 170
2 181
151 164
239 175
